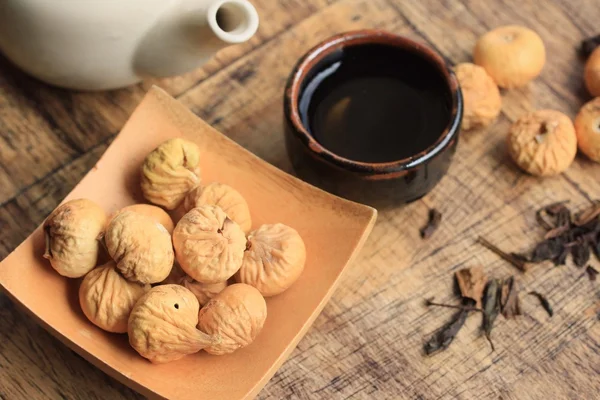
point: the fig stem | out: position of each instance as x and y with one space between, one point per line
48 252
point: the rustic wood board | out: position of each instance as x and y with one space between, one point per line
367 343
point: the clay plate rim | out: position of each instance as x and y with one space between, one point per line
273 195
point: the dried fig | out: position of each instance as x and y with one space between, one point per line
481 96
175 276
224 196
512 55
203 291
274 260
156 213
140 246
107 298
162 325
587 127
236 316
71 237
543 142
170 171
592 73
208 245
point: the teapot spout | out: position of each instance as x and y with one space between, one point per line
232 21
188 36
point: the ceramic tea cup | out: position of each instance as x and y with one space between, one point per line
376 157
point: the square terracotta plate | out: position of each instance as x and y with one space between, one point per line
333 229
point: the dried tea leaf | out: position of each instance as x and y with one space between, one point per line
429 302
542 218
592 227
442 339
563 221
544 302
556 208
556 232
520 257
517 260
581 253
491 308
509 299
592 273
570 236
547 250
595 243
551 210
563 217
588 215
562 258
435 218
471 282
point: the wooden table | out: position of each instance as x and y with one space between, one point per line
368 341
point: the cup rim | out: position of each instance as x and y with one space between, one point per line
370 36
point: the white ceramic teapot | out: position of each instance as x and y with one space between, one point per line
107 44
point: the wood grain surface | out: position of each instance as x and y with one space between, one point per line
368 341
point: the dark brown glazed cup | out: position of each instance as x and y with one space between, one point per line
378 184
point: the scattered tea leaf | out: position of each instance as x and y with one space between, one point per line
491 308
566 234
561 259
471 282
589 45
551 210
518 261
430 302
592 227
547 250
563 216
544 302
581 253
442 339
592 273
556 232
541 217
595 243
587 215
509 300
563 221
435 218
521 258
556 208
